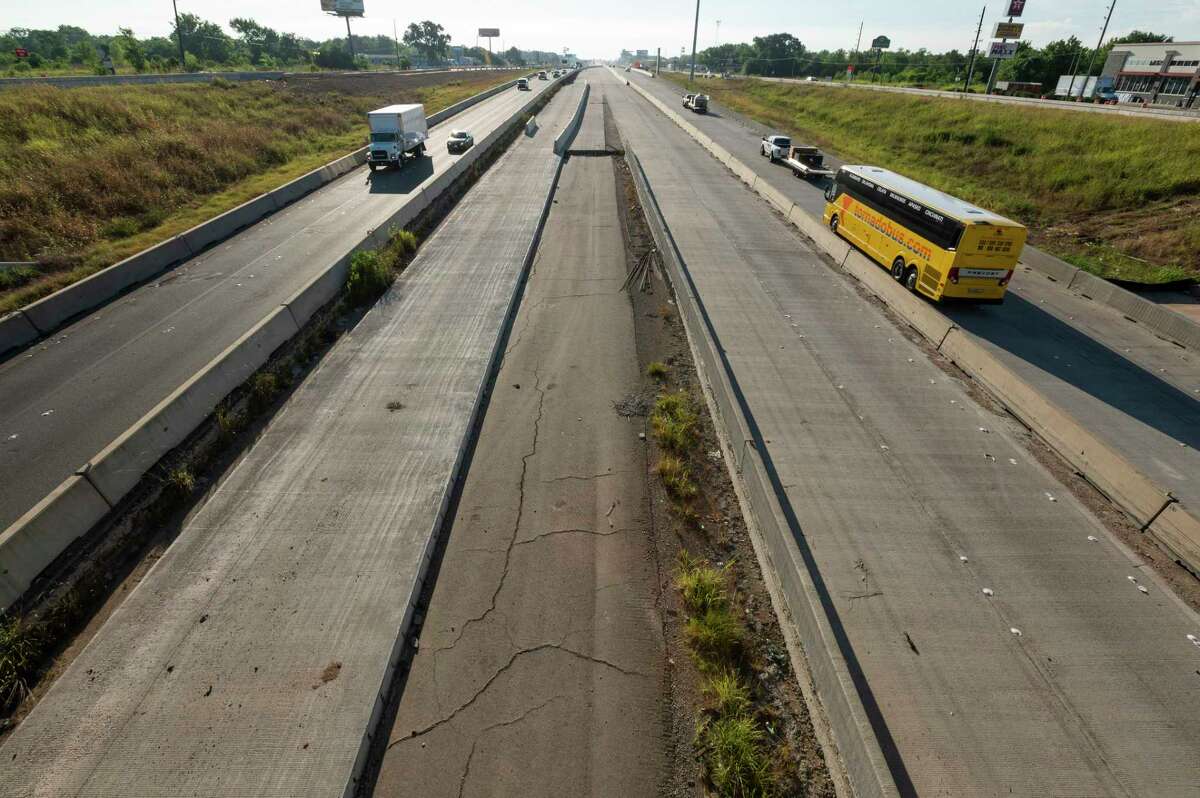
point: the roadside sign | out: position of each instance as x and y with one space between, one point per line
489 33
1003 50
1008 30
850 68
21 52
348 8
1015 7
881 43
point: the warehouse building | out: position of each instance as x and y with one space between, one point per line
1161 73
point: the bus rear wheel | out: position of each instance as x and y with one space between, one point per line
898 270
910 279
833 223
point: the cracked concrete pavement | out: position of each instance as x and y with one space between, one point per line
539 669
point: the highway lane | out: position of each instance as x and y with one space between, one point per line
1063 679
1137 392
250 659
543 626
67 397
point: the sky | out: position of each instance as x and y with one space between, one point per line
601 28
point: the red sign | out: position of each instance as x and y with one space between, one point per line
849 67
1015 7
21 52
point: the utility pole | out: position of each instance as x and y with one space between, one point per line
1074 65
854 56
396 39
974 50
695 31
179 35
1095 52
349 39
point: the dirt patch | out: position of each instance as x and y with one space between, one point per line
714 531
375 84
331 672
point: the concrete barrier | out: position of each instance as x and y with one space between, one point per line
16 330
1111 473
1178 531
49 313
924 317
825 239
1057 270
35 539
121 465
779 541
27 548
562 142
773 196
1162 321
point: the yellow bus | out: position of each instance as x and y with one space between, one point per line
935 244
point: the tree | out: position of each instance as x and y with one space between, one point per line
513 56
206 40
334 55
777 54
429 39
134 53
1142 37
259 40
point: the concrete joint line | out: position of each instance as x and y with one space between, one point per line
86 473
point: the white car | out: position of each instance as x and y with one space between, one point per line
775 147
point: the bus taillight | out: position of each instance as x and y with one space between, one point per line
954 274
1007 276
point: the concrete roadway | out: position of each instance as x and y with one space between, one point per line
249 660
67 397
540 663
1066 679
1139 393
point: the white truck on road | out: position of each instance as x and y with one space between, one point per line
398 132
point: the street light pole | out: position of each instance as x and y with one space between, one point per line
695 31
179 35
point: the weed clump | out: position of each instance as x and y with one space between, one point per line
674 422
677 477
733 748
657 370
181 481
369 277
22 646
263 388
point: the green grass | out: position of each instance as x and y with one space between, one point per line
676 477
657 370
181 481
701 586
22 647
735 752
1060 172
673 422
90 176
369 277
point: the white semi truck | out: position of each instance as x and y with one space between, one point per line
398 132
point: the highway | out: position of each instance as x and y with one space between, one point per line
542 653
67 397
252 658
1005 646
1137 392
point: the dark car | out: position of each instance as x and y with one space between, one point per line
459 141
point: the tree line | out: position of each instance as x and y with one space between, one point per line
248 44
783 55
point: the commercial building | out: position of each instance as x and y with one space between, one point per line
1160 73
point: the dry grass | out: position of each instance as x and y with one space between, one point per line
1047 168
90 176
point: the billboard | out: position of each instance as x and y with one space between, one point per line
1008 30
489 33
643 53
347 8
1003 50
1015 7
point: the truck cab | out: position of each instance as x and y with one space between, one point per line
699 103
687 100
523 84
398 132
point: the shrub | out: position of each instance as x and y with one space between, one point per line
657 370
369 278
673 421
21 649
263 388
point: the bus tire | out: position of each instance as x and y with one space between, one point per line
910 279
833 223
898 269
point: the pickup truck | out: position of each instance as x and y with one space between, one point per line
398 132
696 102
806 161
775 147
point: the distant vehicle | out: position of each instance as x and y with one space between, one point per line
807 161
810 79
554 74
775 147
628 68
523 84
698 103
542 75
936 244
1107 96
398 132
459 141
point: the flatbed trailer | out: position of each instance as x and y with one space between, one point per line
807 162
